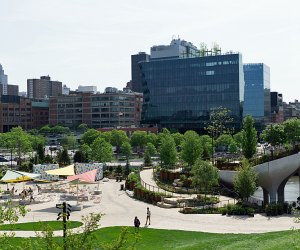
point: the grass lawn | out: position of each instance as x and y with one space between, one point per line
38 226
185 240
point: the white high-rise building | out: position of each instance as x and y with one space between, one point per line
92 89
3 80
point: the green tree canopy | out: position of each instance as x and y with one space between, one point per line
138 139
205 175
101 150
245 182
249 133
238 138
152 138
274 134
224 140
126 150
292 130
191 147
150 148
168 151
118 137
178 138
19 141
206 145
69 141
63 157
83 127
89 136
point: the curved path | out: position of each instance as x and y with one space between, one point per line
119 210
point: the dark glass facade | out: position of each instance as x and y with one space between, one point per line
180 93
257 101
136 76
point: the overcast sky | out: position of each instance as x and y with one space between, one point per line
89 42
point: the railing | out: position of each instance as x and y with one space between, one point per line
155 189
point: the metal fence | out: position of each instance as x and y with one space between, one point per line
155 189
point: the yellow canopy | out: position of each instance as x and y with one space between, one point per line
69 170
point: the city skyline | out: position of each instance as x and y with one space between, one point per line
90 43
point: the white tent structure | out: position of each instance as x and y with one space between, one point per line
18 176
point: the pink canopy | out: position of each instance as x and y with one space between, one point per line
87 176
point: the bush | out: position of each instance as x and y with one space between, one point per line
237 209
274 209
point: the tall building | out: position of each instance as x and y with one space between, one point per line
277 107
113 108
136 75
3 81
181 87
43 88
257 101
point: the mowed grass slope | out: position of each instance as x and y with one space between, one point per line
38 226
175 239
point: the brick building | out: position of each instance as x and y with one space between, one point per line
113 108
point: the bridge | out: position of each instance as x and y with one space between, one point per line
272 176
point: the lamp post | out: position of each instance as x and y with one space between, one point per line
11 159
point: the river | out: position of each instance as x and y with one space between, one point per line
291 190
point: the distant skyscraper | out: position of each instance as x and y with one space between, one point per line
136 74
65 90
43 88
257 101
3 81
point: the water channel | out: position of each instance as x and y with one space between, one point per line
291 190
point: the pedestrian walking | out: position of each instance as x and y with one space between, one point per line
148 216
136 224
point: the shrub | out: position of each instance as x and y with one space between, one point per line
274 209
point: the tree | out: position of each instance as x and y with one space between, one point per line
245 182
191 147
249 142
152 138
19 141
292 130
69 141
205 175
89 136
138 139
83 127
238 138
101 151
63 157
118 137
167 151
126 150
79 156
203 49
41 152
86 151
178 138
205 141
274 134
150 151
220 122
224 141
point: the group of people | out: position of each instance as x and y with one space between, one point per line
137 221
25 193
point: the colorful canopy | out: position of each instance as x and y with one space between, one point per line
87 176
69 170
15 176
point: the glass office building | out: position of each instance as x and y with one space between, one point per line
180 93
257 101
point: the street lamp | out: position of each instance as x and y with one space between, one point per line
11 159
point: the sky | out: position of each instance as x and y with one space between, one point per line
89 42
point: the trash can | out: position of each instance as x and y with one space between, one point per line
122 187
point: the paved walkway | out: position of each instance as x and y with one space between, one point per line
119 210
